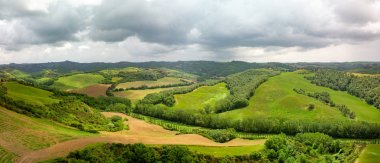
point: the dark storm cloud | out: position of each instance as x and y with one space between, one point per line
234 23
213 24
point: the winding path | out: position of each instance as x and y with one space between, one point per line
139 132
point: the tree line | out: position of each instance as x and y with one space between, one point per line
364 87
307 147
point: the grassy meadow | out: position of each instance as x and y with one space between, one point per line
29 94
77 81
160 82
370 154
25 133
200 97
276 98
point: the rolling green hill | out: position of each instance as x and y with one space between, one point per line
77 81
29 94
22 133
200 97
276 98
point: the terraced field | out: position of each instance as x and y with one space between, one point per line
29 94
276 98
370 154
160 82
200 97
6 156
20 134
77 81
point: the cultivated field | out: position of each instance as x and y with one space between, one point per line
135 95
29 94
77 81
200 97
160 82
370 154
276 98
93 90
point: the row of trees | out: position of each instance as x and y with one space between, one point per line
325 98
308 147
365 87
339 129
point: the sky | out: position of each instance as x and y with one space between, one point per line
35 31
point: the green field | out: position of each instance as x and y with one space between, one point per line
29 94
77 81
6 156
226 151
135 95
200 97
116 71
150 83
276 98
25 133
370 154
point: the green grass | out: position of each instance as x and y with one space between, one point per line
226 151
77 81
33 133
116 71
29 94
200 97
150 83
6 156
276 98
136 95
42 80
370 154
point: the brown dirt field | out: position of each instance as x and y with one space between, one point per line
140 132
93 90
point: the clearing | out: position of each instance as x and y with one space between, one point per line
276 98
29 94
77 81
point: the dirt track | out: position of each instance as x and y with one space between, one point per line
140 132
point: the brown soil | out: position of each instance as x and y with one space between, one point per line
140 132
93 90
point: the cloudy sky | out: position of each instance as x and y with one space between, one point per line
166 30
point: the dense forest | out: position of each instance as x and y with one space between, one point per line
365 87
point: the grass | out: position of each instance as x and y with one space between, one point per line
160 82
370 154
42 80
77 81
29 94
26 133
226 151
116 71
135 95
276 98
200 97
6 156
